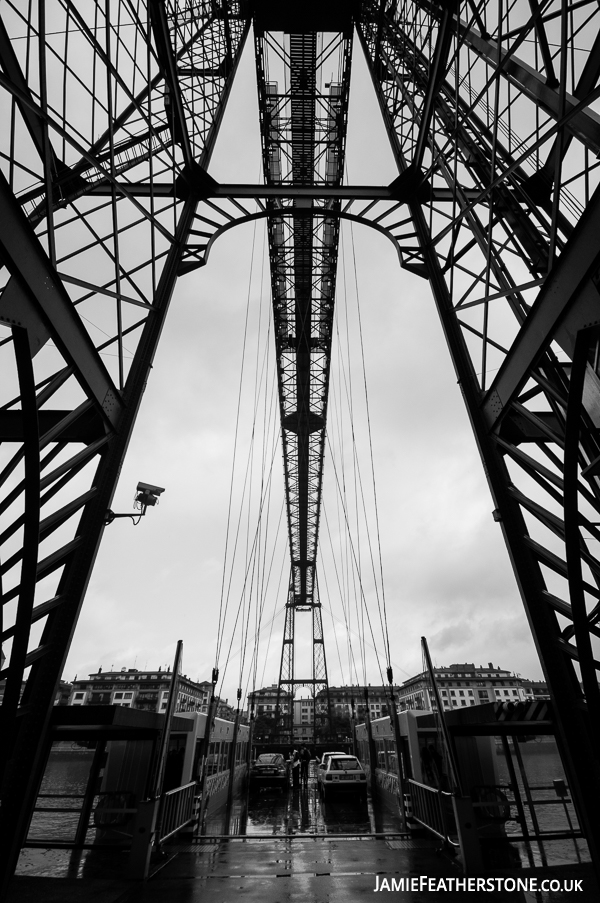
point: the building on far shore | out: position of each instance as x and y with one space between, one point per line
535 689
376 698
466 685
147 690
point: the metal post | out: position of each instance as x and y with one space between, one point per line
396 727
232 752
370 741
163 750
90 793
147 823
206 744
517 794
250 731
529 798
444 726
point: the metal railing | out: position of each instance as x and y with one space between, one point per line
526 815
432 808
67 827
176 810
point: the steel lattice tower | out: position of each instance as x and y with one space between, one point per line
111 112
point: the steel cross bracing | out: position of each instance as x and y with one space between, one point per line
110 114
93 97
502 101
303 126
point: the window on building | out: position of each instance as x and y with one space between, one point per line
454 702
118 696
461 692
463 702
470 692
79 695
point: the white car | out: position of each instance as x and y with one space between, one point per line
340 773
326 755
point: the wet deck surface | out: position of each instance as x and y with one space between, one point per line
324 869
302 811
286 847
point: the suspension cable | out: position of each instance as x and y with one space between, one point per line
224 604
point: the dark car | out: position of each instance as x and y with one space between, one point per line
269 770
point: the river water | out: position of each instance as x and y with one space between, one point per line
65 779
541 767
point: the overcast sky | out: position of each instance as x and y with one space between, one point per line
446 570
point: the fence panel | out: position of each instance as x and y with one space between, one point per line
177 810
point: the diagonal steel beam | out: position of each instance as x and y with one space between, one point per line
436 75
37 281
167 61
540 30
12 69
541 182
568 301
585 124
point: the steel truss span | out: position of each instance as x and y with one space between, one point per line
303 123
110 115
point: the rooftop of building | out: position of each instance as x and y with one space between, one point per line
133 673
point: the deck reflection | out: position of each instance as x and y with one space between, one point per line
301 811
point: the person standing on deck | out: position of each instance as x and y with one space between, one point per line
295 769
304 763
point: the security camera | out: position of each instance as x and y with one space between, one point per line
148 487
147 494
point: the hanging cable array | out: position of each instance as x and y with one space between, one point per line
357 516
251 541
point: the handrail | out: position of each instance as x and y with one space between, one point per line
428 808
176 810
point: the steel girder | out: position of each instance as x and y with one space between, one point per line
493 116
514 273
86 284
303 128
